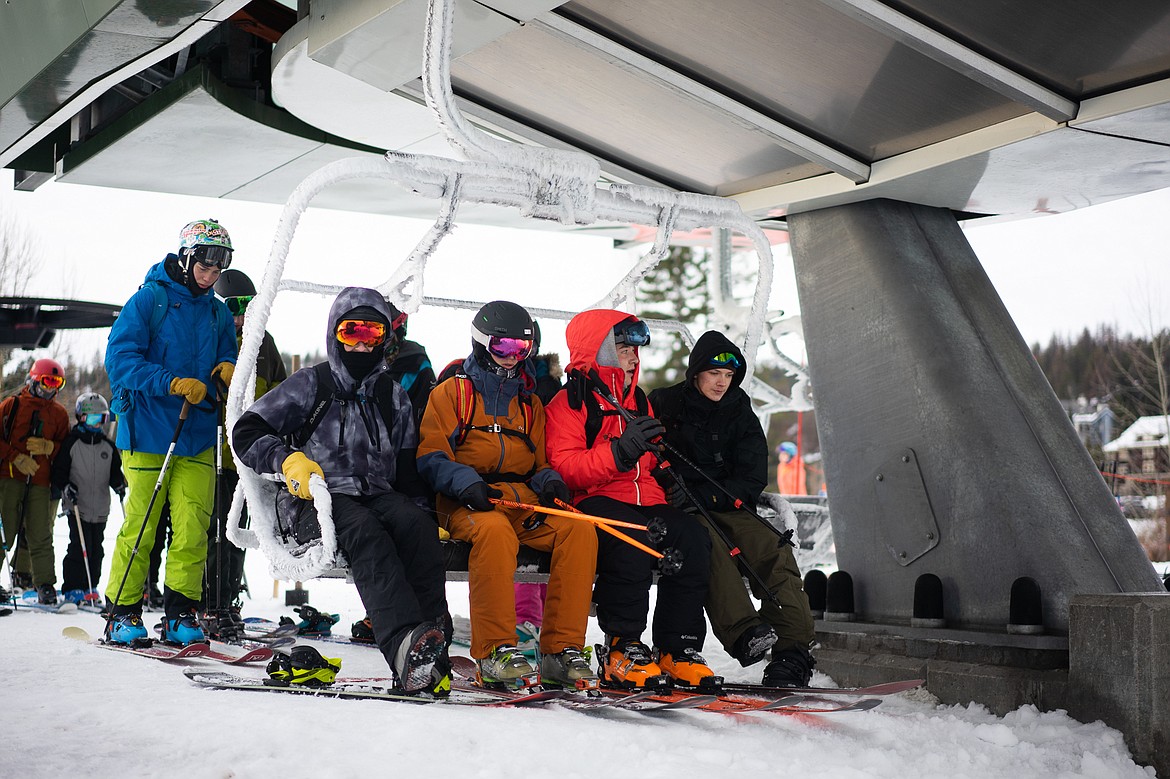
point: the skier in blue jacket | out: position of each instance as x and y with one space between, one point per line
169 345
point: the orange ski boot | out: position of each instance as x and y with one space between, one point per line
627 663
689 670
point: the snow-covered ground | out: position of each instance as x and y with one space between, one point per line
68 709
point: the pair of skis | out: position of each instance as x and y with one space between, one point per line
729 699
219 652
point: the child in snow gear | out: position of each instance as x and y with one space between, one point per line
710 421
33 425
86 469
362 445
303 665
172 340
483 438
225 572
607 462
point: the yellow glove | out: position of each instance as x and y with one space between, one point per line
297 469
39 446
191 389
444 535
25 464
224 372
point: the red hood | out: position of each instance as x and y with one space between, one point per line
585 335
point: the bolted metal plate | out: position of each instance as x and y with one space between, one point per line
904 520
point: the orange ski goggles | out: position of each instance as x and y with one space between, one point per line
51 381
352 332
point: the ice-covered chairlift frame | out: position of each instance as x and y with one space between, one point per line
542 183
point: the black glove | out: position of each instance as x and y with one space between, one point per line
70 493
554 490
120 491
674 494
475 497
637 440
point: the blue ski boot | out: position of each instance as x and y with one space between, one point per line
183 630
126 629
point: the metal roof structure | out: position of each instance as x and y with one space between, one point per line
1009 109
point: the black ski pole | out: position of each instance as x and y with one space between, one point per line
221 529
162 472
785 536
34 429
733 550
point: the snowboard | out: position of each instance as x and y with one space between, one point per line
366 690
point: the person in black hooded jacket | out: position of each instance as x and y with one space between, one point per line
710 420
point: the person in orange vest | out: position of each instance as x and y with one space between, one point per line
790 476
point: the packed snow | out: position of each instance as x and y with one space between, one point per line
70 709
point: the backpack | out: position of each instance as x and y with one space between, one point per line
465 400
578 389
327 390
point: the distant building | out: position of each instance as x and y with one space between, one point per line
1094 421
1140 451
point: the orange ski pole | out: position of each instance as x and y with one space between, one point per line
601 522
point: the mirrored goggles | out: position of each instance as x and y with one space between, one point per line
51 381
631 334
725 360
238 304
507 348
352 332
213 256
95 420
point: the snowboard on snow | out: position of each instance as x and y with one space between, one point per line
365 690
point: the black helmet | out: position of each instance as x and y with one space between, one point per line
234 283
502 322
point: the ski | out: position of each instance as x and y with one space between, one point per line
343 688
228 653
888 688
154 650
58 608
219 652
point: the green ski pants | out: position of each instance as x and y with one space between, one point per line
37 528
729 607
186 487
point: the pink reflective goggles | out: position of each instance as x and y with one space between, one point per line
508 348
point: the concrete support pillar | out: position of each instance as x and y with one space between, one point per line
946 451
1119 670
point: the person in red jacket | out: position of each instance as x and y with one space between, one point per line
34 424
608 464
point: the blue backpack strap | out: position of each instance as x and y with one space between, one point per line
159 310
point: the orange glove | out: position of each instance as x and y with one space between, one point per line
25 464
297 469
224 372
38 447
191 389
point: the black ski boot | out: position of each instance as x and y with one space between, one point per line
362 631
789 668
753 644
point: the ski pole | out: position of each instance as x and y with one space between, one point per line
34 429
600 522
732 549
221 530
162 472
571 513
785 536
90 595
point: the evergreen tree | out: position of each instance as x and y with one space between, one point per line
675 289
